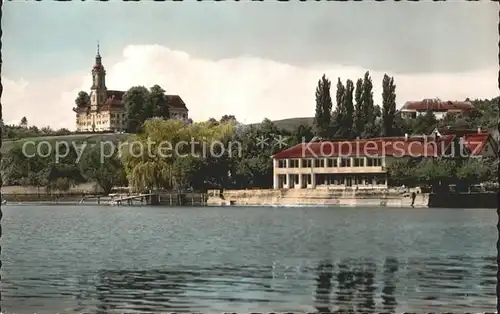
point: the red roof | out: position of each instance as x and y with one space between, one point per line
476 142
389 146
426 146
437 105
114 99
115 94
176 102
456 131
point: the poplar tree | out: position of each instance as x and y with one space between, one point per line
339 114
348 119
359 121
368 106
388 105
323 116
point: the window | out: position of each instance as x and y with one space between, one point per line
306 163
369 180
359 180
294 163
319 163
380 180
281 163
374 162
359 162
345 162
332 163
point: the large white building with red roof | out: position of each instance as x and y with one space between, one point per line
107 111
412 109
363 163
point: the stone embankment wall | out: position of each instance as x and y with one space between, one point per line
464 200
319 197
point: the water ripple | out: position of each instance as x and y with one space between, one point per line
53 267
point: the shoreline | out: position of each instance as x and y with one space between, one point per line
350 198
318 197
377 198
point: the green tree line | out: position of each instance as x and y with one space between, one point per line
249 164
24 130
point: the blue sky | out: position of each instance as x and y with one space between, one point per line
269 54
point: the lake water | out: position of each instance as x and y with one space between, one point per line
89 259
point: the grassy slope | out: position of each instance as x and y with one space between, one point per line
287 124
292 123
70 139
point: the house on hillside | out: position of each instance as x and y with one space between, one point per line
413 109
107 111
361 163
479 142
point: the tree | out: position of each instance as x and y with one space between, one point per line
137 100
424 123
24 122
254 171
62 131
157 106
254 167
82 100
339 114
228 118
402 172
303 133
46 130
28 167
347 123
106 172
322 118
61 168
154 169
213 121
359 119
368 106
388 105
474 171
436 172
186 173
62 184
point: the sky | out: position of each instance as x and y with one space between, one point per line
253 60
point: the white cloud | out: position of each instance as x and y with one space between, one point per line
250 88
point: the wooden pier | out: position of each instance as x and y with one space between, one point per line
149 198
163 198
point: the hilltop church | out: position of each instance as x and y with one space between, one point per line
107 111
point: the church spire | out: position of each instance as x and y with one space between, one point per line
98 72
98 55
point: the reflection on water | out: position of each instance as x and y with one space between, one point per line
348 286
89 259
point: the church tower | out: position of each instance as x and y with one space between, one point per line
98 89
